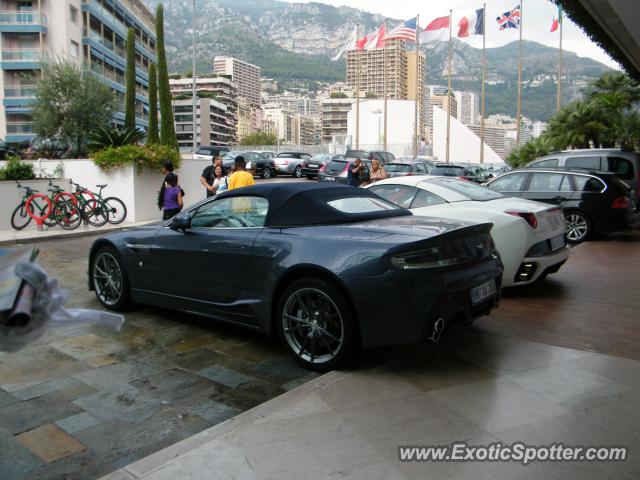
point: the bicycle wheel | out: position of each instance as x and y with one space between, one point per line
95 212
67 215
116 209
19 217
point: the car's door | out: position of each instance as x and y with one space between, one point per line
208 262
549 187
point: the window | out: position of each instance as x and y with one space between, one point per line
398 168
511 182
565 186
447 171
545 182
590 163
471 190
233 212
548 163
400 195
421 168
621 166
75 49
73 14
361 205
587 184
426 199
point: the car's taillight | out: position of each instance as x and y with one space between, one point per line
528 217
621 202
322 167
303 165
465 179
346 167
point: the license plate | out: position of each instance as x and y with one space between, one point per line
312 165
329 179
557 242
482 292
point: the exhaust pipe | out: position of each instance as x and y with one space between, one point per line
437 329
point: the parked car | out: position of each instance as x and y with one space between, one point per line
492 170
337 171
268 153
626 165
264 167
382 157
207 153
530 236
290 163
312 165
460 170
308 262
406 168
592 202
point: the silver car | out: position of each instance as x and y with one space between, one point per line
290 163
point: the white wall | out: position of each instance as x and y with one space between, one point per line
10 196
464 145
400 126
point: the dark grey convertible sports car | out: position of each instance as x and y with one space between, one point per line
327 268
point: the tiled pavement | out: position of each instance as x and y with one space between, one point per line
84 401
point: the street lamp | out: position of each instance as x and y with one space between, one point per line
194 98
379 112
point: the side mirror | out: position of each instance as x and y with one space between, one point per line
181 221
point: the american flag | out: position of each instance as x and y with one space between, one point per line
406 31
509 19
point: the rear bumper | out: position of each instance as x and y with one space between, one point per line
325 178
617 221
542 264
310 171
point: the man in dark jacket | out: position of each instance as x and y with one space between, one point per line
208 175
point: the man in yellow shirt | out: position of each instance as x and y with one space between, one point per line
240 177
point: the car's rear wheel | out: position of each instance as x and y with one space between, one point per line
298 172
266 172
110 279
579 226
316 324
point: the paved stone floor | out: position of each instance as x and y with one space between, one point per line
85 401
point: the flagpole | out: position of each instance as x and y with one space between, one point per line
449 91
358 91
519 80
558 99
484 75
384 81
417 84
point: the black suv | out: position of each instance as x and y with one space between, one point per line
264 167
592 201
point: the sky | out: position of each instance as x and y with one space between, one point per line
537 16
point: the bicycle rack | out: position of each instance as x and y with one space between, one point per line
39 219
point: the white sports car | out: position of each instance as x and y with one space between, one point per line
530 236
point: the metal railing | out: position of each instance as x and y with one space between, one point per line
22 18
20 91
21 55
18 128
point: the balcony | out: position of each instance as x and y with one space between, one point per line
21 59
19 128
19 96
22 22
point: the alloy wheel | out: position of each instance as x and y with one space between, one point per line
577 227
107 278
298 172
266 173
313 325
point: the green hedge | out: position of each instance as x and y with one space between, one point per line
17 170
150 157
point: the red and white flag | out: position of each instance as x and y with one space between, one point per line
350 44
372 40
438 29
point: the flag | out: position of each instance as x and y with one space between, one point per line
372 40
350 44
406 31
556 20
436 30
470 23
509 19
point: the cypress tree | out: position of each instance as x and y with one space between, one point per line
130 82
167 127
152 134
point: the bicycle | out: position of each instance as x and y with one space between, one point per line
92 210
65 211
20 218
116 209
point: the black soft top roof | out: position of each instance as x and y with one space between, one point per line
300 204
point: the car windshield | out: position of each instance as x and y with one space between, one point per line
361 205
447 171
319 158
471 190
335 166
397 167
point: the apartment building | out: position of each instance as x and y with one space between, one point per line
212 126
411 84
244 75
219 88
334 113
249 119
468 107
494 136
305 130
284 121
91 33
441 101
365 70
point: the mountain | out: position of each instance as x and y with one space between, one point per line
293 43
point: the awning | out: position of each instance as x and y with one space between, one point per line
18 109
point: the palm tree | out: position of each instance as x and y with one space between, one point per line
615 83
578 124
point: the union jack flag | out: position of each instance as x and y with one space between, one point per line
406 31
509 19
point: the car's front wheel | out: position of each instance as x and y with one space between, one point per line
298 172
109 278
266 173
317 325
579 226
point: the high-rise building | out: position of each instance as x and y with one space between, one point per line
245 75
365 70
218 87
468 107
212 126
441 101
334 114
539 128
91 33
494 136
411 85
284 121
305 130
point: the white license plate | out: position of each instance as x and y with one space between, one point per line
329 179
557 242
482 292
312 165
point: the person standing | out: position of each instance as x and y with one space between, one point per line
377 172
171 197
221 181
240 177
208 176
355 173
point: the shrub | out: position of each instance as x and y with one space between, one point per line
102 138
150 156
15 169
